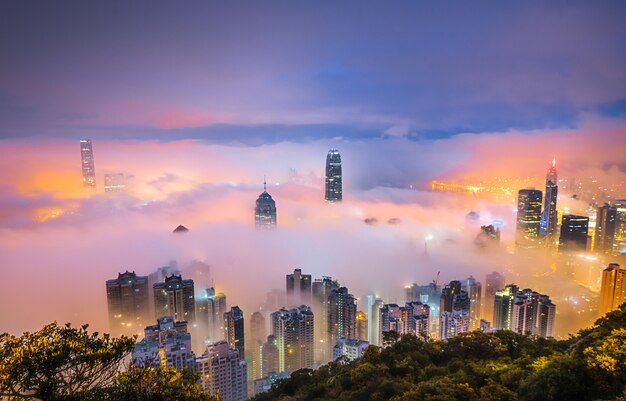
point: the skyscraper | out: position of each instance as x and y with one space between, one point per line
167 343
265 210
474 290
321 290
258 334
533 313
222 370
333 176
455 308
528 216
619 239
373 320
549 215
234 330
86 157
606 217
175 297
293 332
128 302
503 307
210 314
298 287
574 231
270 361
361 325
493 282
341 315
613 289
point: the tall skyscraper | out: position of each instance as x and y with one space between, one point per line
619 239
474 290
341 315
606 217
533 313
211 307
333 176
129 303
503 307
234 330
373 320
321 290
167 343
175 297
265 210
549 215
528 216
270 360
493 282
455 308
222 370
613 289
361 325
298 287
258 335
293 332
86 157
574 232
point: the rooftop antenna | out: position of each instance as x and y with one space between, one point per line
264 184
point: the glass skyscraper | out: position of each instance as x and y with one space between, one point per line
86 157
528 216
549 214
333 176
265 210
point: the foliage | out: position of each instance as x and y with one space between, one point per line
500 366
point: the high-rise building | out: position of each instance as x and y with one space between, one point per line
167 343
86 157
533 313
549 214
574 233
412 318
488 236
210 311
341 315
474 290
223 371
528 216
270 360
619 238
321 290
453 323
606 217
503 307
455 308
265 210
258 335
613 289
293 332
373 320
298 288
175 297
361 325
234 330
129 303
333 176
493 282
429 294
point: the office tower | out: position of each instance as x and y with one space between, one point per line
265 210
333 176
606 217
352 349
619 238
175 297
503 307
298 288
493 282
128 302
528 216
86 158
533 313
293 330
341 315
234 331
613 289
573 233
114 182
223 371
167 343
474 290
258 335
211 309
270 360
549 215
374 321
361 325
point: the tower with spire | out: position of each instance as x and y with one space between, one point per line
265 210
549 215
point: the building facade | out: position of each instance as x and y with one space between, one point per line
613 288
294 338
223 371
87 163
265 211
175 297
528 217
334 186
128 301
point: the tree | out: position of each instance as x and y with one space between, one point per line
59 362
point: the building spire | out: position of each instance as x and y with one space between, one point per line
264 184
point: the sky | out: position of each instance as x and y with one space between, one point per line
197 102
